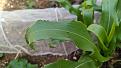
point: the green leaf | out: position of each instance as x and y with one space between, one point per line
84 62
119 10
100 32
21 63
118 44
108 14
112 46
87 4
66 4
32 66
88 16
118 33
56 30
112 32
96 7
64 30
87 11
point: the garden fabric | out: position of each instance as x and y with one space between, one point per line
13 25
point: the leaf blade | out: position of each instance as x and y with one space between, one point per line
100 32
74 31
84 62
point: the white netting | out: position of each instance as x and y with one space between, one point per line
13 25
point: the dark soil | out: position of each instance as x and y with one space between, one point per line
115 62
40 60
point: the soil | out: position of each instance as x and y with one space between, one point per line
40 60
115 62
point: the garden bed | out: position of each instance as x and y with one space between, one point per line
14 24
17 18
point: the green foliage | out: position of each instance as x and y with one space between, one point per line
73 30
87 12
108 13
84 62
88 16
118 8
107 32
21 63
100 33
118 29
66 4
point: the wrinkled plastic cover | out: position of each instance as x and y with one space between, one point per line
13 25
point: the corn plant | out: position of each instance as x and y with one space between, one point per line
80 31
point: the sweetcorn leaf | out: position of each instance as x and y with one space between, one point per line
100 32
108 14
96 6
88 16
118 34
66 4
119 10
64 30
56 30
84 62
118 30
87 11
112 33
87 3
